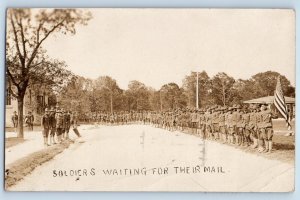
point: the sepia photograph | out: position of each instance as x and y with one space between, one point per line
150 99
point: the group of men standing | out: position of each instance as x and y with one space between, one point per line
28 119
236 125
56 123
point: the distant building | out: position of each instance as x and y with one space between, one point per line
290 101
35 102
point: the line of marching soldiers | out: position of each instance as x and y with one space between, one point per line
56 124
244 126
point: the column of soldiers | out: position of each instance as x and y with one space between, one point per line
236 125
56 125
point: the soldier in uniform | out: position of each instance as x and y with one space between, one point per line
74 123
202 124
29 118
52 123
265 129
222 125
246 133
208 124
59 124
239 126
194 121
14 119
215 122
45 123
253 126
230 126
67 118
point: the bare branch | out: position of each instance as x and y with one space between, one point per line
39 44
16 38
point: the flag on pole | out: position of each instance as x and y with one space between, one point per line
280 104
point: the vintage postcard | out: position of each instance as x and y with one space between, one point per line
111 99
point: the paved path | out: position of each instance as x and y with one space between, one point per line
141 148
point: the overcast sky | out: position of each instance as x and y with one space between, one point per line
158 46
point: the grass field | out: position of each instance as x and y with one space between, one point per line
20 168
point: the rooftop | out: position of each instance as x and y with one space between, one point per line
270 99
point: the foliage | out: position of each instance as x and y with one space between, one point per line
26 61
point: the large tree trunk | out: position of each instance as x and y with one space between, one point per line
20 117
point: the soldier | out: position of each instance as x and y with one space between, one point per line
234 122
215 123
230 126
222 125
52 123
74 123
198 119
265 129
63 130
202 124
180 120
239 126
45 123
208 124
59 124
253 126
193 119
67 118
246 133
14 119
29 118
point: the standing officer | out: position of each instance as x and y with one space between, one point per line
266 128
45 123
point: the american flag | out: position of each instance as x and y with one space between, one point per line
280 104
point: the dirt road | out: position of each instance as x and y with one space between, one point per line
144 158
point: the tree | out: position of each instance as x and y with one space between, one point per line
26 61
222 88
189 86
75 96
138 96
264 84
172 97
107 90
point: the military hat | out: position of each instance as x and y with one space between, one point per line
263 103
46 110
